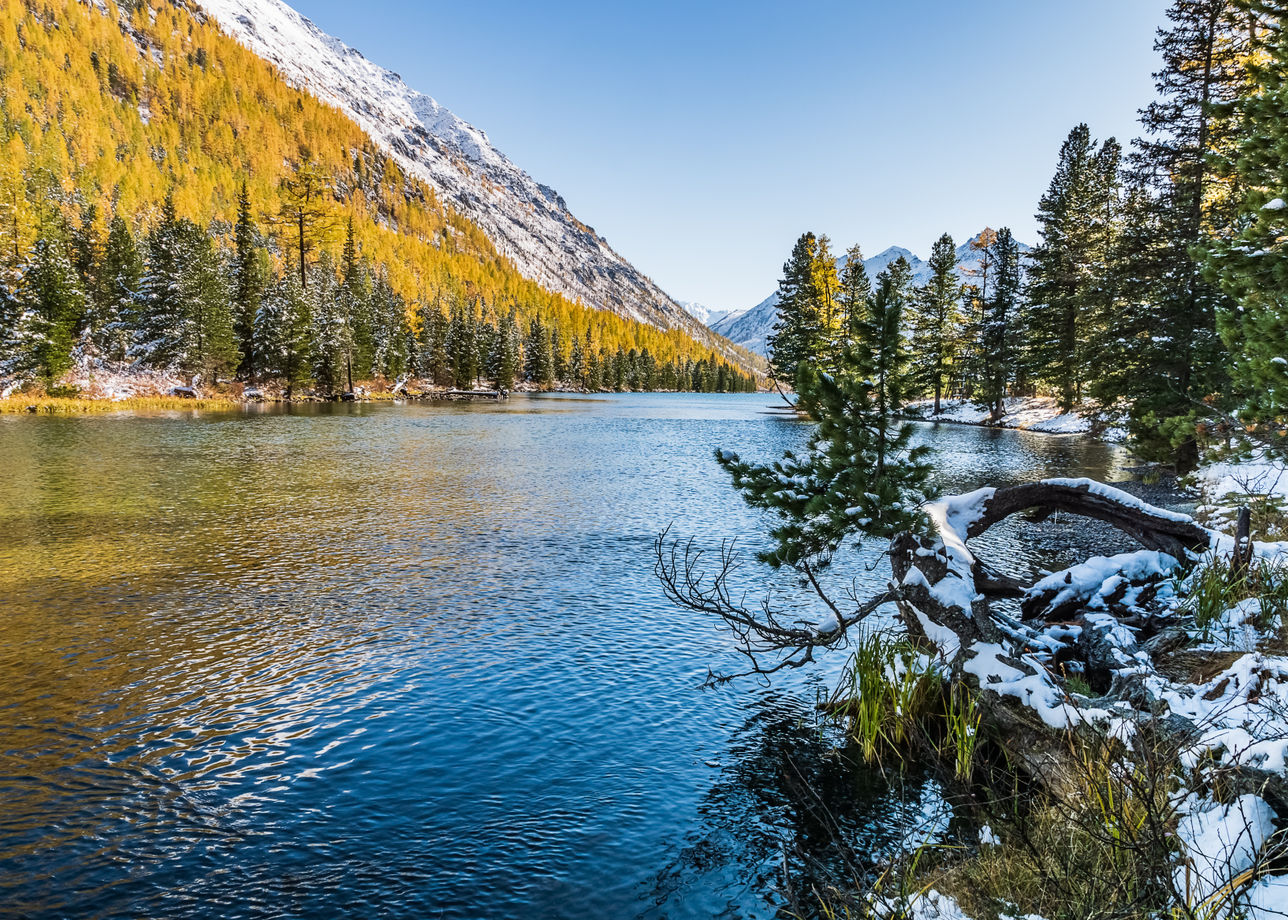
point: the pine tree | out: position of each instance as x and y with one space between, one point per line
328 347
880 354
203 294
388 318
558 355
49 302
165 328
937 322
249 278
539 365
996 332
860 475
508 347
1067 298
86 251
577 363
1251 263
798 335
283 333
853 294
116 300
1167 355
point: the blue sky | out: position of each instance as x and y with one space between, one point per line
701 138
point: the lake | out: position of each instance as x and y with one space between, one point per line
411 661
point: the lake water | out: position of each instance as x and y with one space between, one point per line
412 662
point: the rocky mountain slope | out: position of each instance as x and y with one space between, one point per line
528 222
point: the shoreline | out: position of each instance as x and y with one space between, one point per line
102 405
1040 414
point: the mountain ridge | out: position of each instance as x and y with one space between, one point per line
529 222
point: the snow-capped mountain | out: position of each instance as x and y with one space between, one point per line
751 328
526 221
708 316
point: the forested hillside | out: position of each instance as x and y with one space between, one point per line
167 200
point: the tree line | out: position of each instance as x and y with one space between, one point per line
220 304
139 119
1158 287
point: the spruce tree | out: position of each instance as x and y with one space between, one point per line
881 355
1168 357
937 322
859 475
508 348
283 333
49 302
203 293
165 331
249 278
855 288
577 363
996 329
328 346
1251 265
798 335
116 300
1067 296
539 362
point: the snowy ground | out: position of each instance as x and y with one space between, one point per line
1225 864
1029 413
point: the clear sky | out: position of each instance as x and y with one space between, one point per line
702 137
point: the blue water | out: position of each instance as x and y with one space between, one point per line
411 661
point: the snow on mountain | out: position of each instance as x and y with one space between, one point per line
526 221
751 328
708 316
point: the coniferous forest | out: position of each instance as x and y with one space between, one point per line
1154 293
165 204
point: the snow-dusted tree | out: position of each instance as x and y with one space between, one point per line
249 275
937 321
283 333
506 353
389 329
462 347
49 302
204 292
860 474
116 301
165 331
355 297
329 344
539 365
577 363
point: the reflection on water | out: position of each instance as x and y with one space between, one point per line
410 661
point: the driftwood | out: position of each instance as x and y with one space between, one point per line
1092 620
1026 707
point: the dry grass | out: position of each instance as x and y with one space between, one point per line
62 405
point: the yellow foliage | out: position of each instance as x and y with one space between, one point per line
123 108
